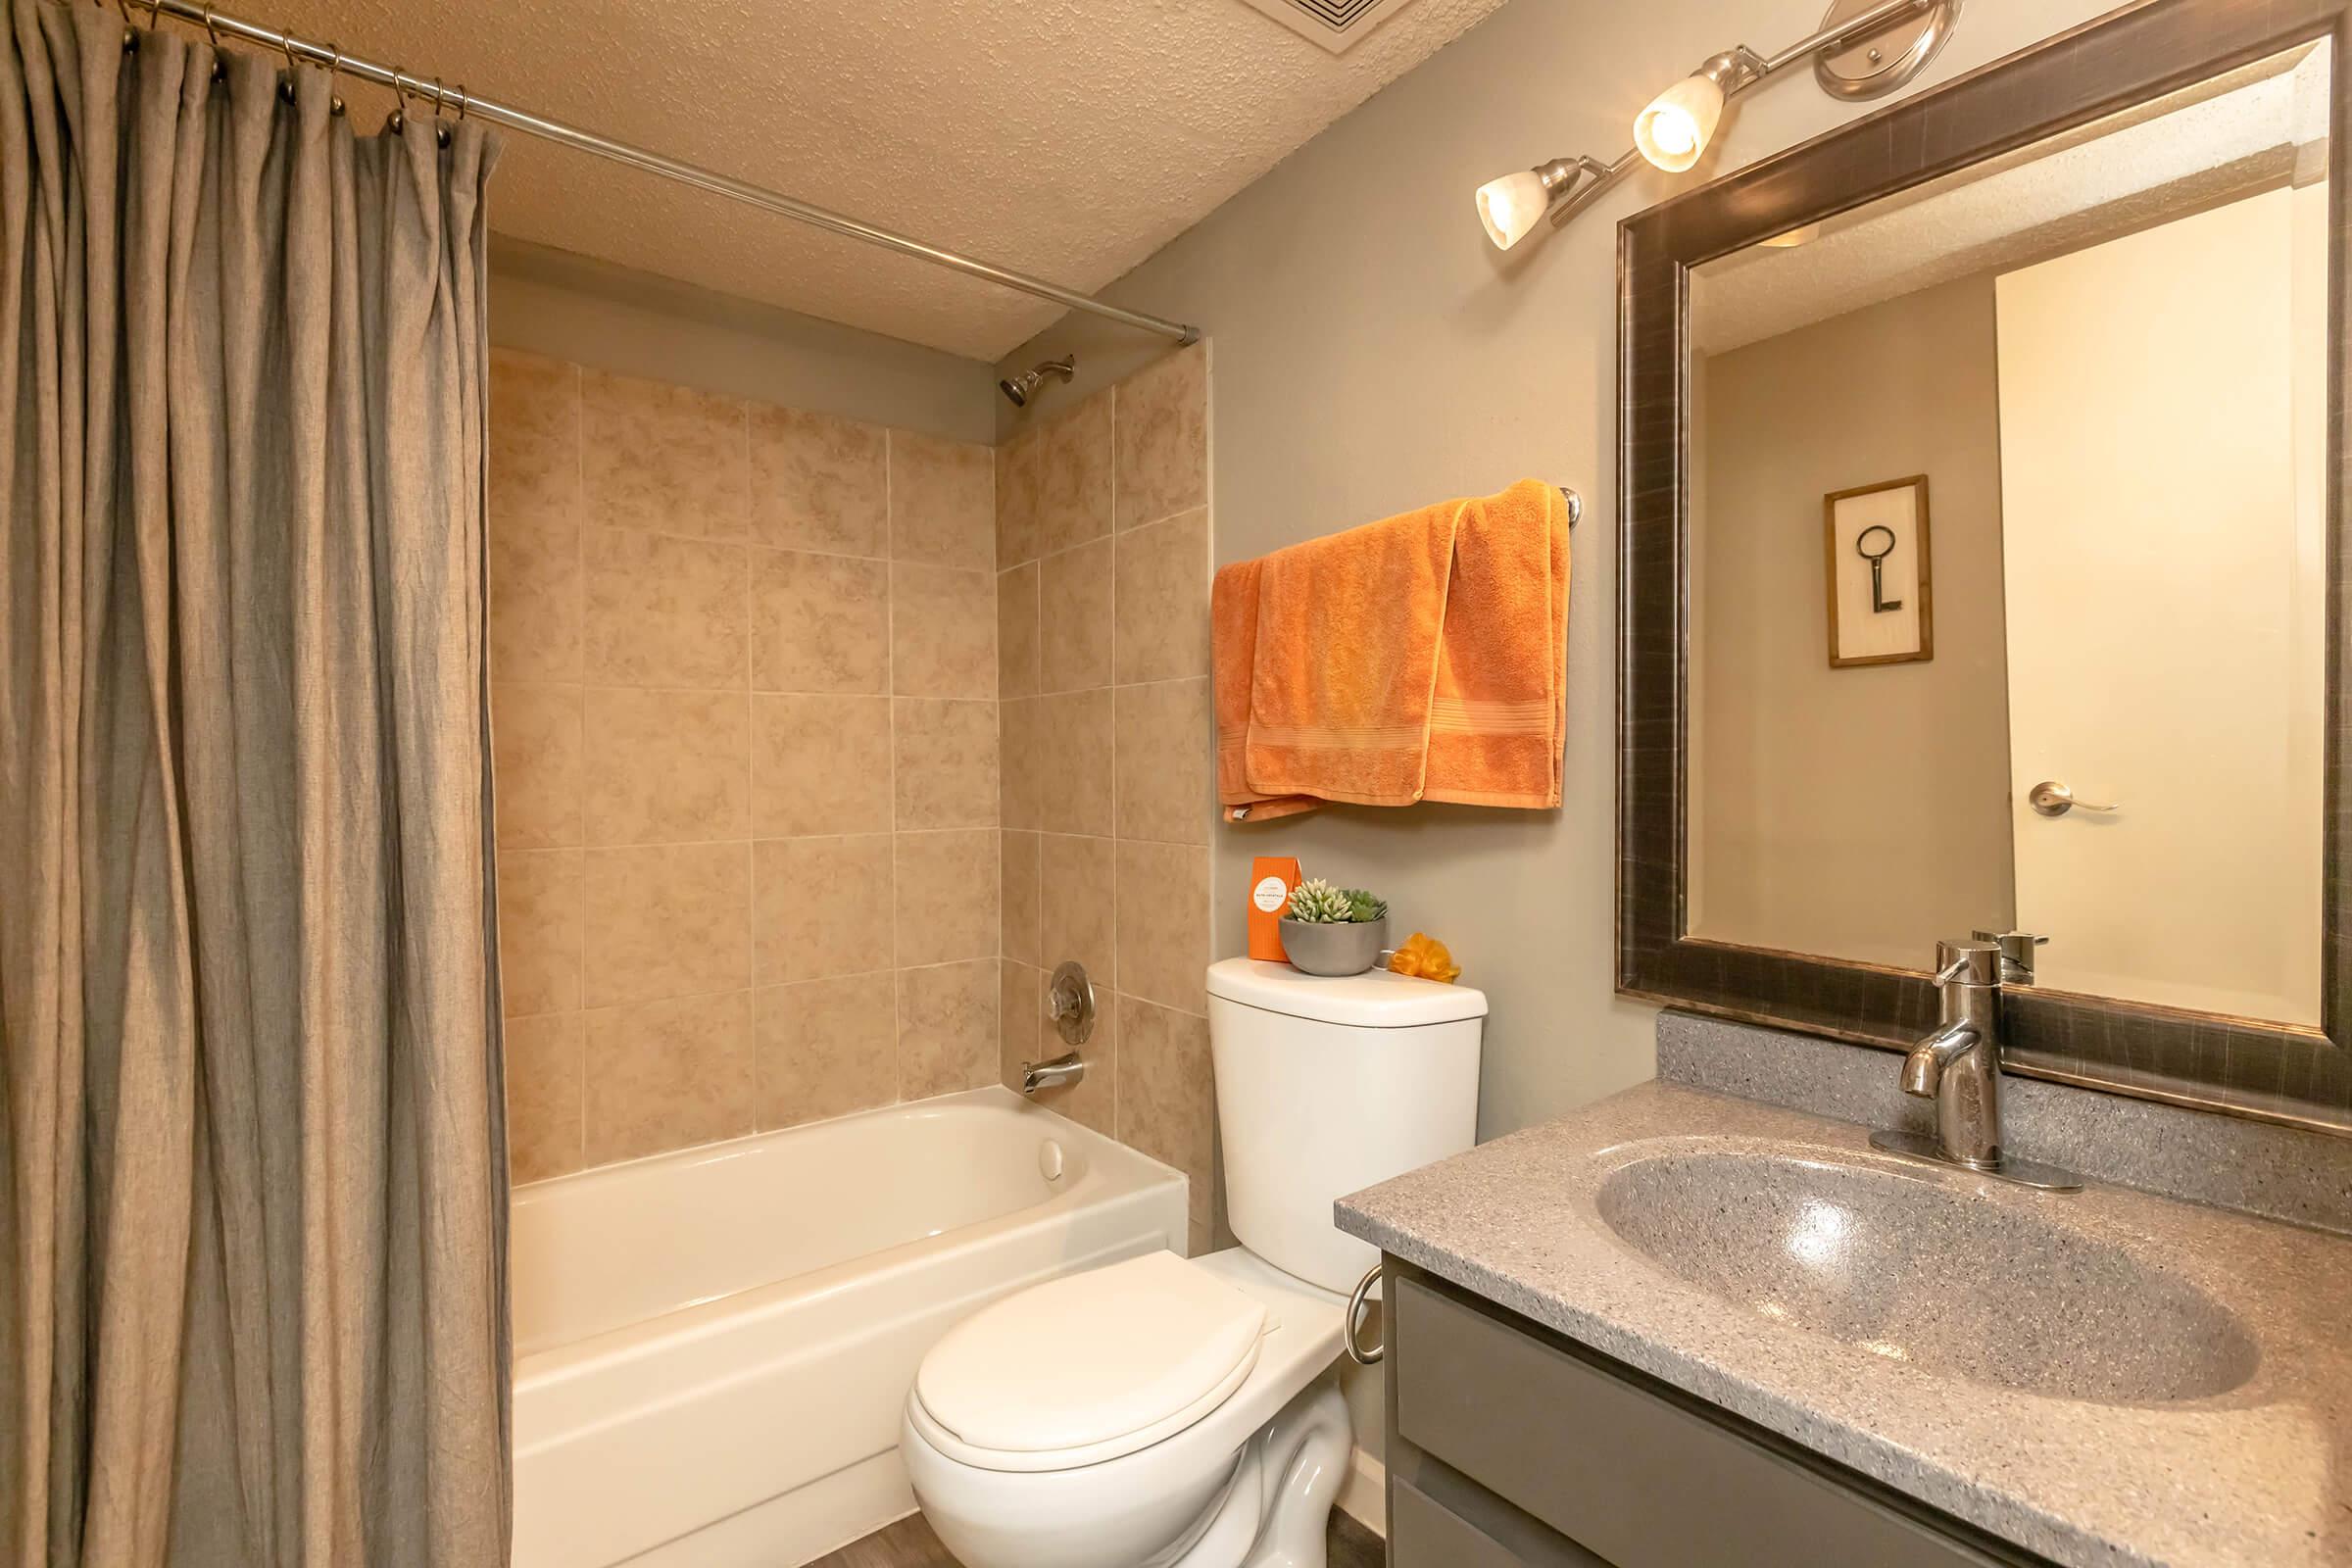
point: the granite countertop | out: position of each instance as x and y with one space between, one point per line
2259 1475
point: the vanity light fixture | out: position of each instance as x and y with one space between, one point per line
1510 206
1865 49
1680 121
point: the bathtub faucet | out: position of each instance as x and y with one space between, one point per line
1062 1070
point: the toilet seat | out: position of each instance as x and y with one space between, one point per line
1088 1367
1228 1468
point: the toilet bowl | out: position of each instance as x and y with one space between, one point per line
1240 1475
1166 1412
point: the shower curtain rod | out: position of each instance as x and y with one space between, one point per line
467 106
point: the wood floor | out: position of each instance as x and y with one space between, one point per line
910 1544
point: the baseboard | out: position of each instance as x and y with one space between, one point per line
1364 1494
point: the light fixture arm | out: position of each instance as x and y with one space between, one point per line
1561 175
1605 179
1734 71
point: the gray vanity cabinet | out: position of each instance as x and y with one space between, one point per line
1509 1444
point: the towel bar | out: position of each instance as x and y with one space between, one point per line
1576 506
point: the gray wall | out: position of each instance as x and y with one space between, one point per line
1373 352
591 313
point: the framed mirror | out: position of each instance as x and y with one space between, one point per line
1984 508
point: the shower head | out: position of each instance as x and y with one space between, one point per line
1022 387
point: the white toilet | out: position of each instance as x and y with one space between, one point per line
1166 1413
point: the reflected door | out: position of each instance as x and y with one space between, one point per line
2165 608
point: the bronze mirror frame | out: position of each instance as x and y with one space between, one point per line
2245 1067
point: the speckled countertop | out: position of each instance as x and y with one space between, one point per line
2259 1475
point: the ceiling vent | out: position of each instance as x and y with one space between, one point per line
1336 25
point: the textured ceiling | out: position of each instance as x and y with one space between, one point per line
2215 141
1069 138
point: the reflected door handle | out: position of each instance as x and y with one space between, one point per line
2052 799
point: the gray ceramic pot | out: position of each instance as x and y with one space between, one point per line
1350 948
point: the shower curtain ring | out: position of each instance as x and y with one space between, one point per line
285 91
400 106
440 127
131 28
220 64
334 69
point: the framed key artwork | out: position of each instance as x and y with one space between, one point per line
1880 592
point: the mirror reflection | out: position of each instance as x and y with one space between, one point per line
2007 554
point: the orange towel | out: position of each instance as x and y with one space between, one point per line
1422 658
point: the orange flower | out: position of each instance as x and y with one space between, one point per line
1426 958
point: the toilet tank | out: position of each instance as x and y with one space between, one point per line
1326 1086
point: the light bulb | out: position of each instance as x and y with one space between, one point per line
1509 207
1678 122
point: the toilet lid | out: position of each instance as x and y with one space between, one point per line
1105 1363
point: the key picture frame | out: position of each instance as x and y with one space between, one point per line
1881 588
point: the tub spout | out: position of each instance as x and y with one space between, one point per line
1062 1070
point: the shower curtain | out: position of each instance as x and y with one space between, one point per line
253 1189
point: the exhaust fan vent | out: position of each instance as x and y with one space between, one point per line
1336 25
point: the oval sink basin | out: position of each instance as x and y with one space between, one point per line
1906 1268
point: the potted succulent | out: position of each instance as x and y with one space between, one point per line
1334 931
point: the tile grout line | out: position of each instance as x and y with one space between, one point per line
1114 533
751 779
755 838
579 563
1003 843
996 635
890 678
1118 1083
753 986
728 690
1107 686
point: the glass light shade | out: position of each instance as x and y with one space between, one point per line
1678 122
1511 206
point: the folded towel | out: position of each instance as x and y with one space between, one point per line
1417 659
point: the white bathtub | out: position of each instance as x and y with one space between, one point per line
712 1348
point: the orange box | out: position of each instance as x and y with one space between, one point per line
1272 880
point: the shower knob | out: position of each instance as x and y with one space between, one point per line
1071 1003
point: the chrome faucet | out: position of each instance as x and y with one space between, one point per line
2017 953
1959 1066
1066 1068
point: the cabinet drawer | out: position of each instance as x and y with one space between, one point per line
1423 1533
1632 1475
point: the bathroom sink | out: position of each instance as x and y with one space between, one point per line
1952 1282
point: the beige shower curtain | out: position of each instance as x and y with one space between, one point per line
252 1193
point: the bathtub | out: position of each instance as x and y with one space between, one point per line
712 1348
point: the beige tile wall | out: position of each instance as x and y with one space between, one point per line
745 722
1102 548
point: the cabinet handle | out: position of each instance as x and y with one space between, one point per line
1348 1324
